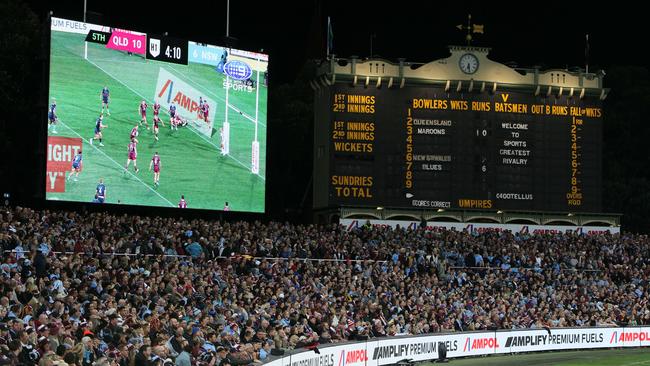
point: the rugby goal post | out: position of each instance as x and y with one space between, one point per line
255 145
225 130
225 138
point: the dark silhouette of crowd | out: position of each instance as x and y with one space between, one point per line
107 289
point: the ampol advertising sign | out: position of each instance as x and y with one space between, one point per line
351 224
388 351
171 89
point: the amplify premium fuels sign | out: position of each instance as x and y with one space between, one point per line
391 350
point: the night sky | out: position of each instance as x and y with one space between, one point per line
524 33
419 31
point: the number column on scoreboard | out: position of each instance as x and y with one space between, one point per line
574 196
481 166
584 165
428 140
572 151
591 156
353 128
408 163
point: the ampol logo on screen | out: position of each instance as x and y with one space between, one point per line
172 89
238 70
60 152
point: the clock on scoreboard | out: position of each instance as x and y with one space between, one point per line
167 49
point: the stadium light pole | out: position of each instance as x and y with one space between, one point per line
227 18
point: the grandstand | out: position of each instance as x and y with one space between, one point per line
103 287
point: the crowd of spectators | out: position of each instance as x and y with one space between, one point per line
105 289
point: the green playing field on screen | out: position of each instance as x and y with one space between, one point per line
159 120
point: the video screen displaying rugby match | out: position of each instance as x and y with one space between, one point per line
144 119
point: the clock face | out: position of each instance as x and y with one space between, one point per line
468 63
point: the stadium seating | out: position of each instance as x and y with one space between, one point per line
100 288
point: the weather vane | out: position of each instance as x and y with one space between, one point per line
471 28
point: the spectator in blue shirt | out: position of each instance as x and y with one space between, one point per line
194 249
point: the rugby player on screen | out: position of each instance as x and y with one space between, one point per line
133 155
172 116
156 109
100 191
76 166
155 164
98 130
143 113
201 101
178 121
51 116
104 97
222 62
134 134
205 111
182 203
156 126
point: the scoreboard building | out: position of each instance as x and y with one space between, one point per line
456 134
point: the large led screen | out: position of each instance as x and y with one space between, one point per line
144 119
